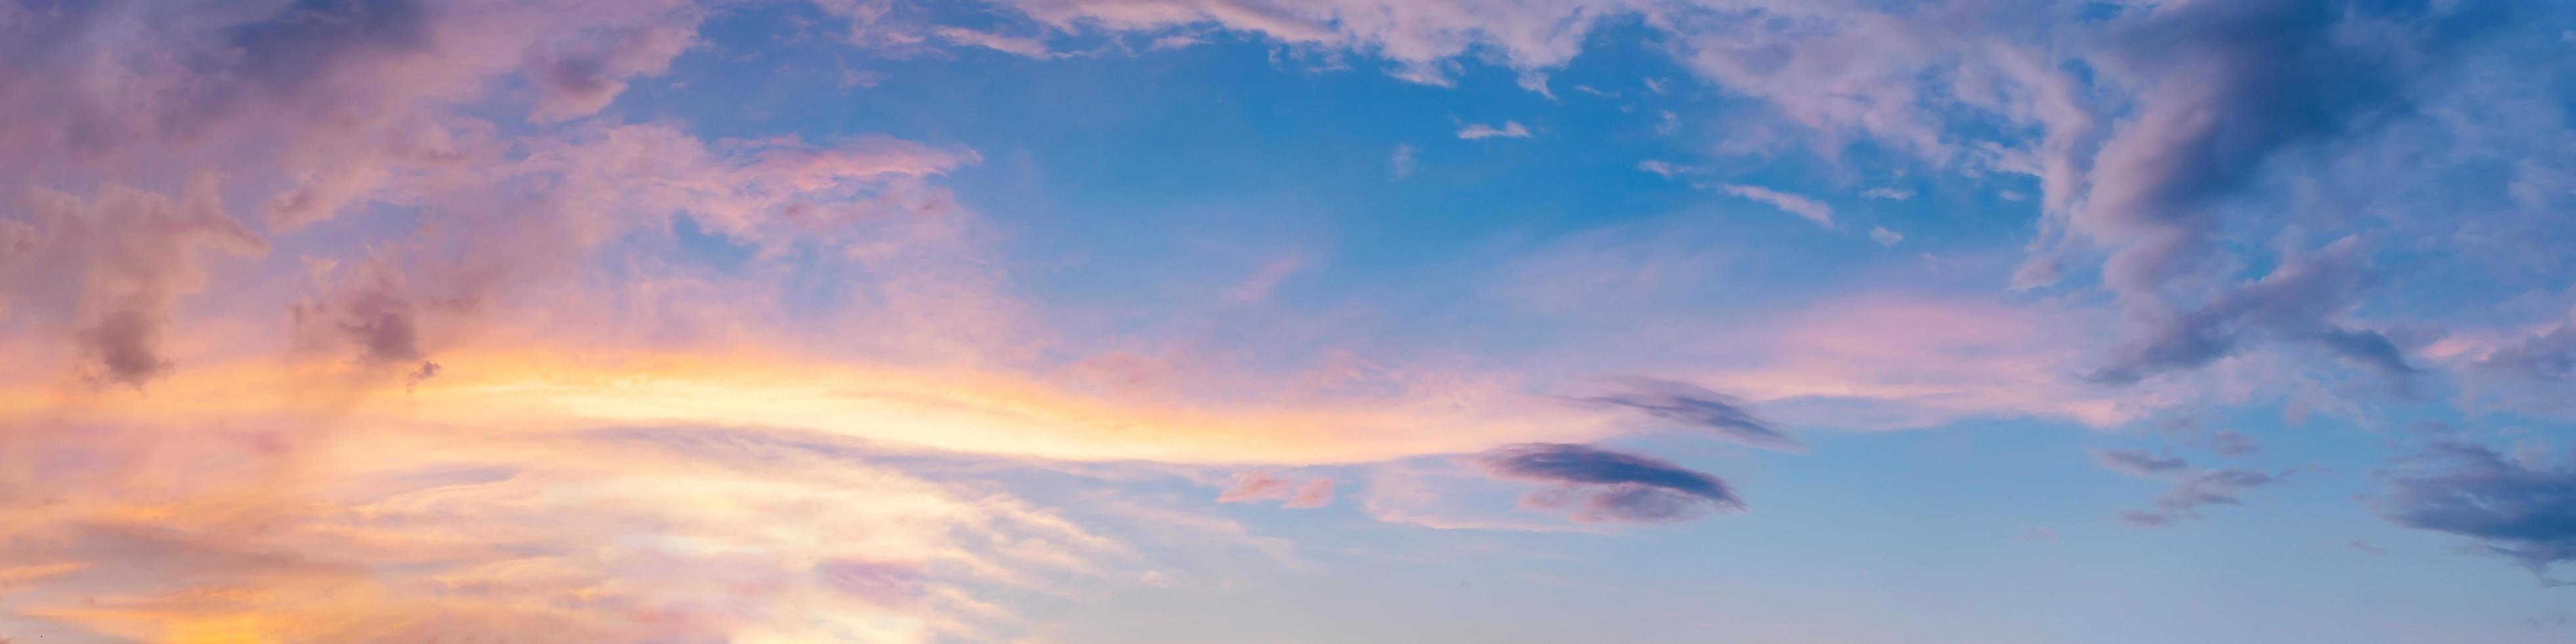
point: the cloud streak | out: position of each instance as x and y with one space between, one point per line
2521 509
1508 130
1696 407
1809 209
1599 485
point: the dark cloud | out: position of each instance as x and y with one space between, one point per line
2298 301
2183 501
2228 86
1608 486
2519 509
1696 406
301 42
2135 462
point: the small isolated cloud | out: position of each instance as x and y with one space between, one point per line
1813 210
1891 194
1667 123
2138 462
1400 163
1265 485
1695 406
1176 41
1667 169
2364 547
1604 486
1510 129
2522 509
1885 237
2183 501
1317 493
2038 533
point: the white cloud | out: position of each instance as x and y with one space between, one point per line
1815 211
1885 237
1510 129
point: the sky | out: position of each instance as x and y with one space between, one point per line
1272 321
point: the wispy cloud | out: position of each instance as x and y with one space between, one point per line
1400 163
1697 407
1812 210
1509 130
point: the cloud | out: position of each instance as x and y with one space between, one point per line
1812 210
580 75
1016 45
1316 493
1667 169
412 532
375 311
1881 361
2522 509
2298 301
1891 194
2223 89
1885 237
1418 40
2532 371
1697 407
337 97
1509 130
1614 487
1253 486
1400 163
2195 490
111 268
1203 418
2137 462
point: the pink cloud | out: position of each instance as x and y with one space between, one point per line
1255 486
1887 361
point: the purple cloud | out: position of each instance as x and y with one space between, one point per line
2514 508
1696 406
2298 301
2135 462
1600 485
2183 501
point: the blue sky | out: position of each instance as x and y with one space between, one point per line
1241 320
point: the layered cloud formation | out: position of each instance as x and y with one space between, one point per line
396 320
